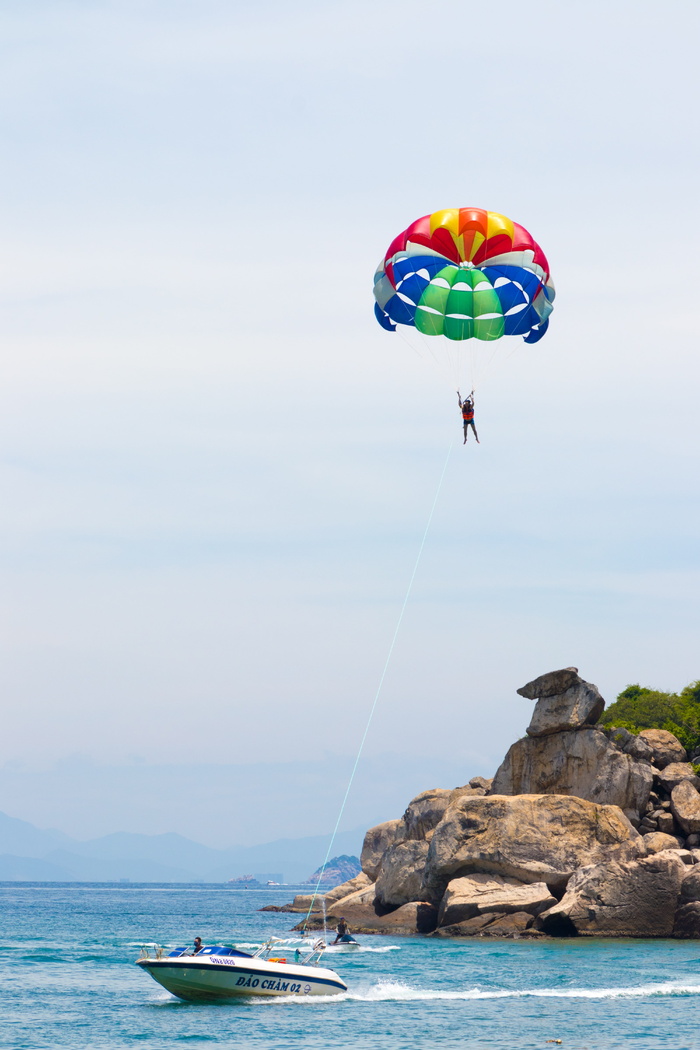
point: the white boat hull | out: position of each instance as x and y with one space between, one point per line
225 977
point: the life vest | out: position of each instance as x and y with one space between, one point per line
467 413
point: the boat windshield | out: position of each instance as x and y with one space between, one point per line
157 951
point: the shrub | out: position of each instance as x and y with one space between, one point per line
638 708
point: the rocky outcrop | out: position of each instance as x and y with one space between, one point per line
482 894
377 841
355 907
580 762
401 874
531 838
425 811
565 702
364 915
686 922
685 804
634 899
360 882
316 901
603 819
515 924
301 903
666 748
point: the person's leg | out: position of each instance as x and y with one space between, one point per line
466 428
475 433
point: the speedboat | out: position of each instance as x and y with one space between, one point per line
220 972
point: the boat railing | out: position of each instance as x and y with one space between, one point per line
162 951
301 958
153 951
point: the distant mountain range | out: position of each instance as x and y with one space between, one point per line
29 854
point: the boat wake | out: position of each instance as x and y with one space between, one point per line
365 949
397 991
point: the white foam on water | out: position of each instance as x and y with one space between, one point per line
397 991
378 951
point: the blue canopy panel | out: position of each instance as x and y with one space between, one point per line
520 323
399 311
430 264
412 276
383 318
516 289
537 332
511 297
526 279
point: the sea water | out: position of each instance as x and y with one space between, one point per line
69 980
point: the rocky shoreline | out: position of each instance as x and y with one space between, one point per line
582 831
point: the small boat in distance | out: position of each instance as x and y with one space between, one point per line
220 972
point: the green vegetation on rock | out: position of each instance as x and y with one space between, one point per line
638 708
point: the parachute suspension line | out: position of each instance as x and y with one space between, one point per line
381 683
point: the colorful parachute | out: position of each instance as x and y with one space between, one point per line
465 273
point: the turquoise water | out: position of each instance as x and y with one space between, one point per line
68 980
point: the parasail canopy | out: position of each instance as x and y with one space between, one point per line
465 273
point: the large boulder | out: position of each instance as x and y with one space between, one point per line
363 915
551 684
634 899
579 705
513 924
425 812
531 838
344 908
301 903
666 747
685 805
480 894
676 773
687 919
579 762
377 841
359 882
409 919
630 743
658 841
401 874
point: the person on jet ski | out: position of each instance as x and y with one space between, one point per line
341 930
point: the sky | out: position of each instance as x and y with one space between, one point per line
217 469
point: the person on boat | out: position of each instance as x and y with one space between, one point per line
467 407
197 945
341 930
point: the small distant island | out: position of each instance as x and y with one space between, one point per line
337 871
589 827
